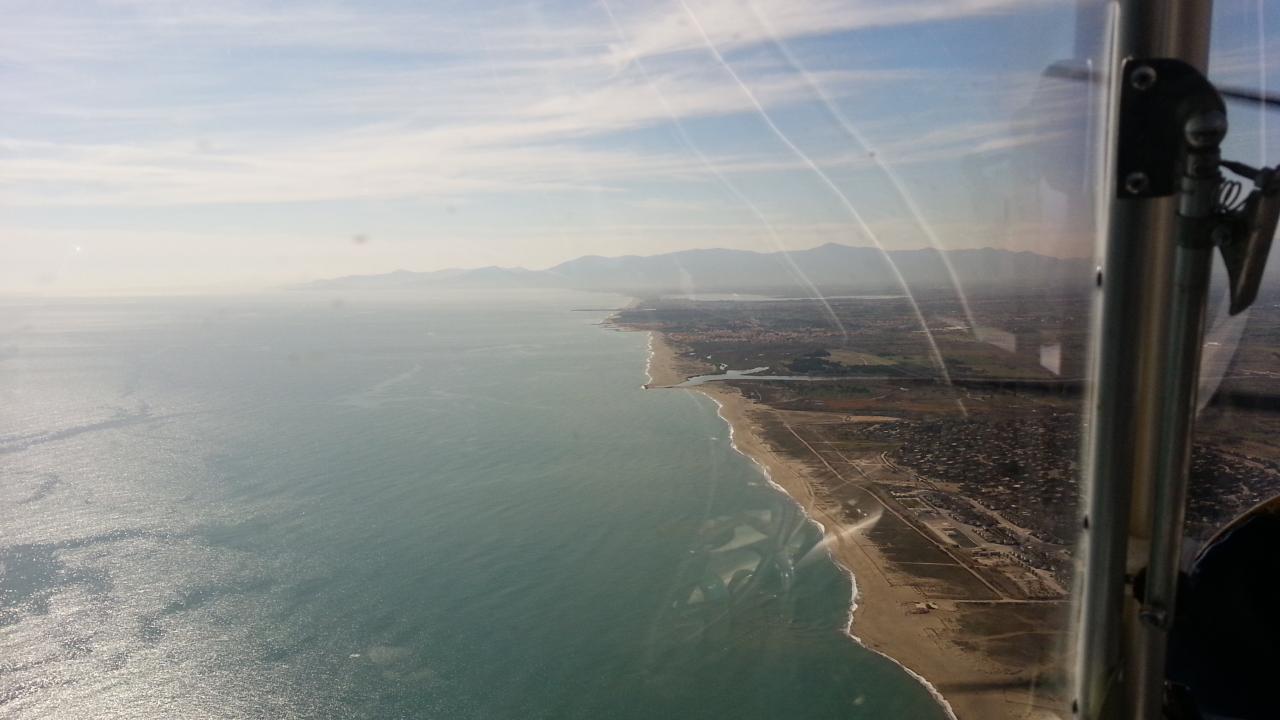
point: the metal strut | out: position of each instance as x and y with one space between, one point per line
1171 208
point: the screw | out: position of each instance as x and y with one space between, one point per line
1154 616
1136 183
1142 77
1097 278
1206 129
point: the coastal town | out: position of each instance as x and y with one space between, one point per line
951 440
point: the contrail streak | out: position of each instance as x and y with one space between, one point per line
724 181
858 137
835 189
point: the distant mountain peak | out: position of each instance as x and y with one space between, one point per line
831 267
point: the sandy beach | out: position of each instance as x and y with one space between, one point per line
984 655
666 367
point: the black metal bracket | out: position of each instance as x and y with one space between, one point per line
1172 122
1157 97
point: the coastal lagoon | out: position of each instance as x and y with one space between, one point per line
447 506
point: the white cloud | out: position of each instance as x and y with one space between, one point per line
490 122
665 27
149 105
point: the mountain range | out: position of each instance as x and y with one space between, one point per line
829 268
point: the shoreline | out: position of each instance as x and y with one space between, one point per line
966 682
717 398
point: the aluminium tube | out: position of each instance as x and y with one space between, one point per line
1126 407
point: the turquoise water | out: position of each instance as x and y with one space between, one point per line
453 507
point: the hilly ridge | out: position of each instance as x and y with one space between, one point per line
829 268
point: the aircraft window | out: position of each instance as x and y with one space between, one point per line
567 359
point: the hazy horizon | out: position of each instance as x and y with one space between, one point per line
710 249
232 288
150 144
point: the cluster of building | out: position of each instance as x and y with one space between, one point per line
984 524
753 335
1023 468
1010 473
1225 485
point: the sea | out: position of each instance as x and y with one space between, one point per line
451 505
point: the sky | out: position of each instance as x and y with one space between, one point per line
160 145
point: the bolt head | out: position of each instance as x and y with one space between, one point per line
1143 77
1135 183
1154 616
1206 129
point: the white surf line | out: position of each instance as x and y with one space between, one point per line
853 581
648 364
937 695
